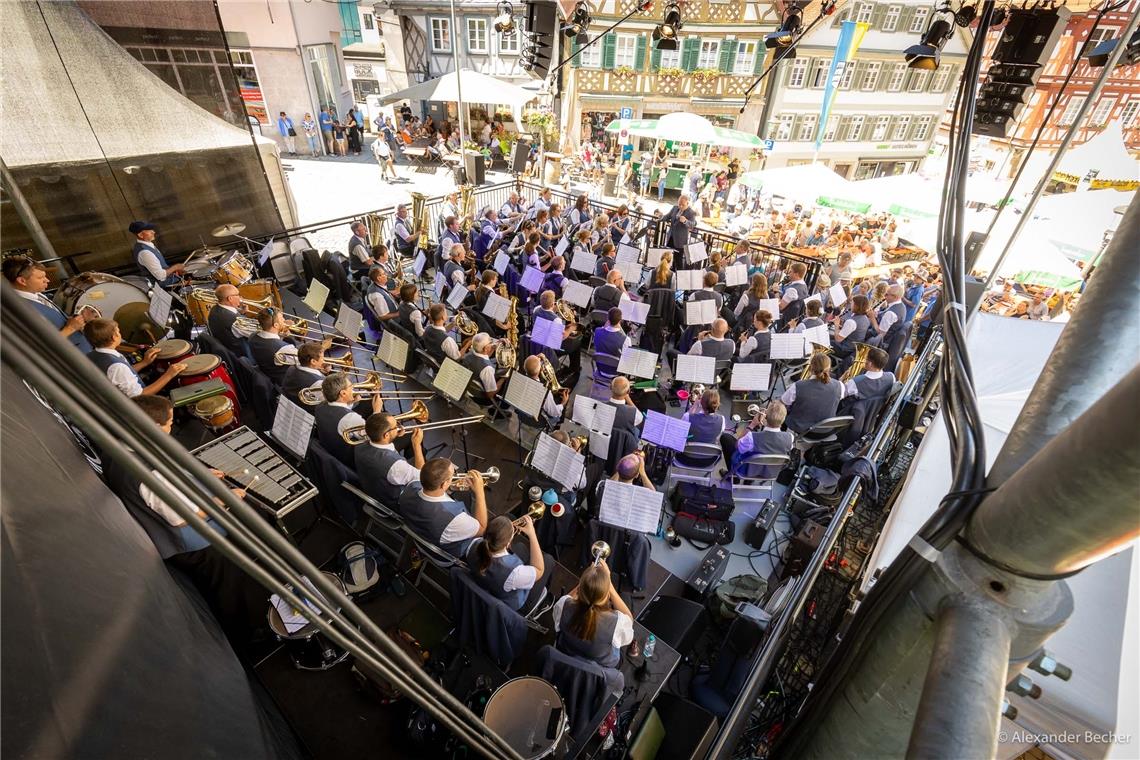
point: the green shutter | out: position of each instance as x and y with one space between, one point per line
609 50
905 18
575 60
655 59
639 58
877 15
690 53
761 55
727 55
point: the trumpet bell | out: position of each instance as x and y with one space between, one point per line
418 413
600 551
753 410
491 476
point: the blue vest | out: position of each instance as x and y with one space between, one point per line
388 299
220 322
763 347
705 428
814 402
296 380
429 519
140 246
541 313
372 466
606 297
59 319
264 350
600 649
721 350
449 270
327 418
476 362
495 579
105 361
433 342
405 311
609 341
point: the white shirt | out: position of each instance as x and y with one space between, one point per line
360 252
610 328
522 578
450 349
791 294
887 317
789 396
623 631
853 390
151 499
696 350
487 378
462 527
638 417
401 472
39 298
550 407
352 419
287 350
459 277
241 328
750 345
378 303
401 227
149 261
380 149
122 376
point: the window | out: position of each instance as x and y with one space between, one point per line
891 19
1069 115
918 23
1128 114
871 76
369 22
863 12
847 75
922 127
855 128
241 57
832 128
898 76
509 41
710 55
783 126
591 57
942 78
918 80
745 58
1100 35
805 130
477 35
326 73
670 59
441 35
900 127
818 78
1103 108
625 51
879 128
796 72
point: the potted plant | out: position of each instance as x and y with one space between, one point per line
704 81
669 79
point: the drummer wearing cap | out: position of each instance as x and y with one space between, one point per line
149 259
104 335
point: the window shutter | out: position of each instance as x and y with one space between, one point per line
842 16
639 58
609 50
877 16
844 126
758 61
575 60
655 59
905 18
796 122
727 55
690 53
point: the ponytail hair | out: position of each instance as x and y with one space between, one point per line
593 593
498 536
820 367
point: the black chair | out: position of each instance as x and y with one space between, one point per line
894 343
717 688
263 393
485 623
588 689
212 345
328 473
434 556
338 276
381 522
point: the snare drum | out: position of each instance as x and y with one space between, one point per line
205 366
308 647
528 713
216 413
234 268
171 352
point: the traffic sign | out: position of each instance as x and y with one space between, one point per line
769 145
626 113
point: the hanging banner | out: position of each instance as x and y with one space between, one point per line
850 38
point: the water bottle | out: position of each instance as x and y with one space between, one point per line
650 645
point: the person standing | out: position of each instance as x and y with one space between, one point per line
681 220
662 175
310 128
288 133
326 123
382 152
352 127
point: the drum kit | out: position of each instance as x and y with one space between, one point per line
218 413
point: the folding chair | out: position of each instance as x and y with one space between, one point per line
696 464
385 519
753 475
434 556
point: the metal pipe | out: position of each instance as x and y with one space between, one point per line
458 83
960 709
1096 348
24 211
1074 502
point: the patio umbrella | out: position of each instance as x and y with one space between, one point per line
687 127
477 88
809 183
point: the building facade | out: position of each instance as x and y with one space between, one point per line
884 116
720 53
364 60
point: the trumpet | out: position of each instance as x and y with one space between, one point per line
601 551
535 511
462 481
356 435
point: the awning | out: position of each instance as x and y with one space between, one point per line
475 87
687 127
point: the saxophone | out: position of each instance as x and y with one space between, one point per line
506 355
466 208
420 215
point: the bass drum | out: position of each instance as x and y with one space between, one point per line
114 298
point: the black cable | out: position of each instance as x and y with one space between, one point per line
781 55
639 8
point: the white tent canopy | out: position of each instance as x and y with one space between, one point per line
803 183
1093 210
686 127
1104 154
476 87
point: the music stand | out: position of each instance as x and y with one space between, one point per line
452 379
348 323
496 307
734 275
502 260
584 262
292 427
750 377
316 298
526 395
631 507
597 417
665 431
701 312
419 264
695 369
786 346
577 293
456 296
696 252
159 309
547 332
628 253
639 363
557 461
393 351
532 279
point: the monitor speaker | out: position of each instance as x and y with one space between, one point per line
519 157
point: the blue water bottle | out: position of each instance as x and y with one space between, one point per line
650 645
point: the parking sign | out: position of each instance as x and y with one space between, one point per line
626 113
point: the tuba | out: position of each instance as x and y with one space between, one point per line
815 349
466 208
861 351
374 223
420 215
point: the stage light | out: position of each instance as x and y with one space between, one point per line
785 36
665 34
579 23
965 15
1099 55
504 18
926 54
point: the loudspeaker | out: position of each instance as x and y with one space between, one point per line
973 247
476 168
519 157
676 621
541 26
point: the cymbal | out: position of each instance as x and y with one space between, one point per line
229 229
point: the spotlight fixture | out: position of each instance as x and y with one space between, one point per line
1099 55
827 8
785 36
965 15
666 33
926 54
579 23
504 18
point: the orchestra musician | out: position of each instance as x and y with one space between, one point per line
489 235
758 345
608 296
555 277
359 252
663 276
708 291
793 294
892 312
546 240
580 215
336 415
405 239
150 261
606 260
489 281
478 360
517 578
681 220
453 270
552 407
763 435
750 299
29 278
581 244
611 338
438 342
448 209
593 621
104 335
742 253
556 226
386 261
451 235
429 510
813 311
852 327
383 472
571 340
707 425
269 348
377 297
512 209
308 372
408 314
542 203
814 399
873 382
714 342
223 322
628 417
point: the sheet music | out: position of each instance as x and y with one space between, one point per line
818 335
496 307
628 253
393 351
456 296
634 311
596 416
750 377
737 274
419 264
625 238
293 427
787 346
160 302
452 379
630 270
701 312
690 279
599 444
560 248
583 261
577 293
638 363
558 461
814 297
502 260
837 295
266 251
696 252
653 256
770 305
695 369
547 332
438 284
316 297
663 430
532 279
348 322
625 505
525 394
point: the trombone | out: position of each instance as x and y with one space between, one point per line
356 435
313 396
208 296
301 328
462 481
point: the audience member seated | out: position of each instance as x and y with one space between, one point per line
517 577
592 621
382 471
429 510
815 399
104 335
